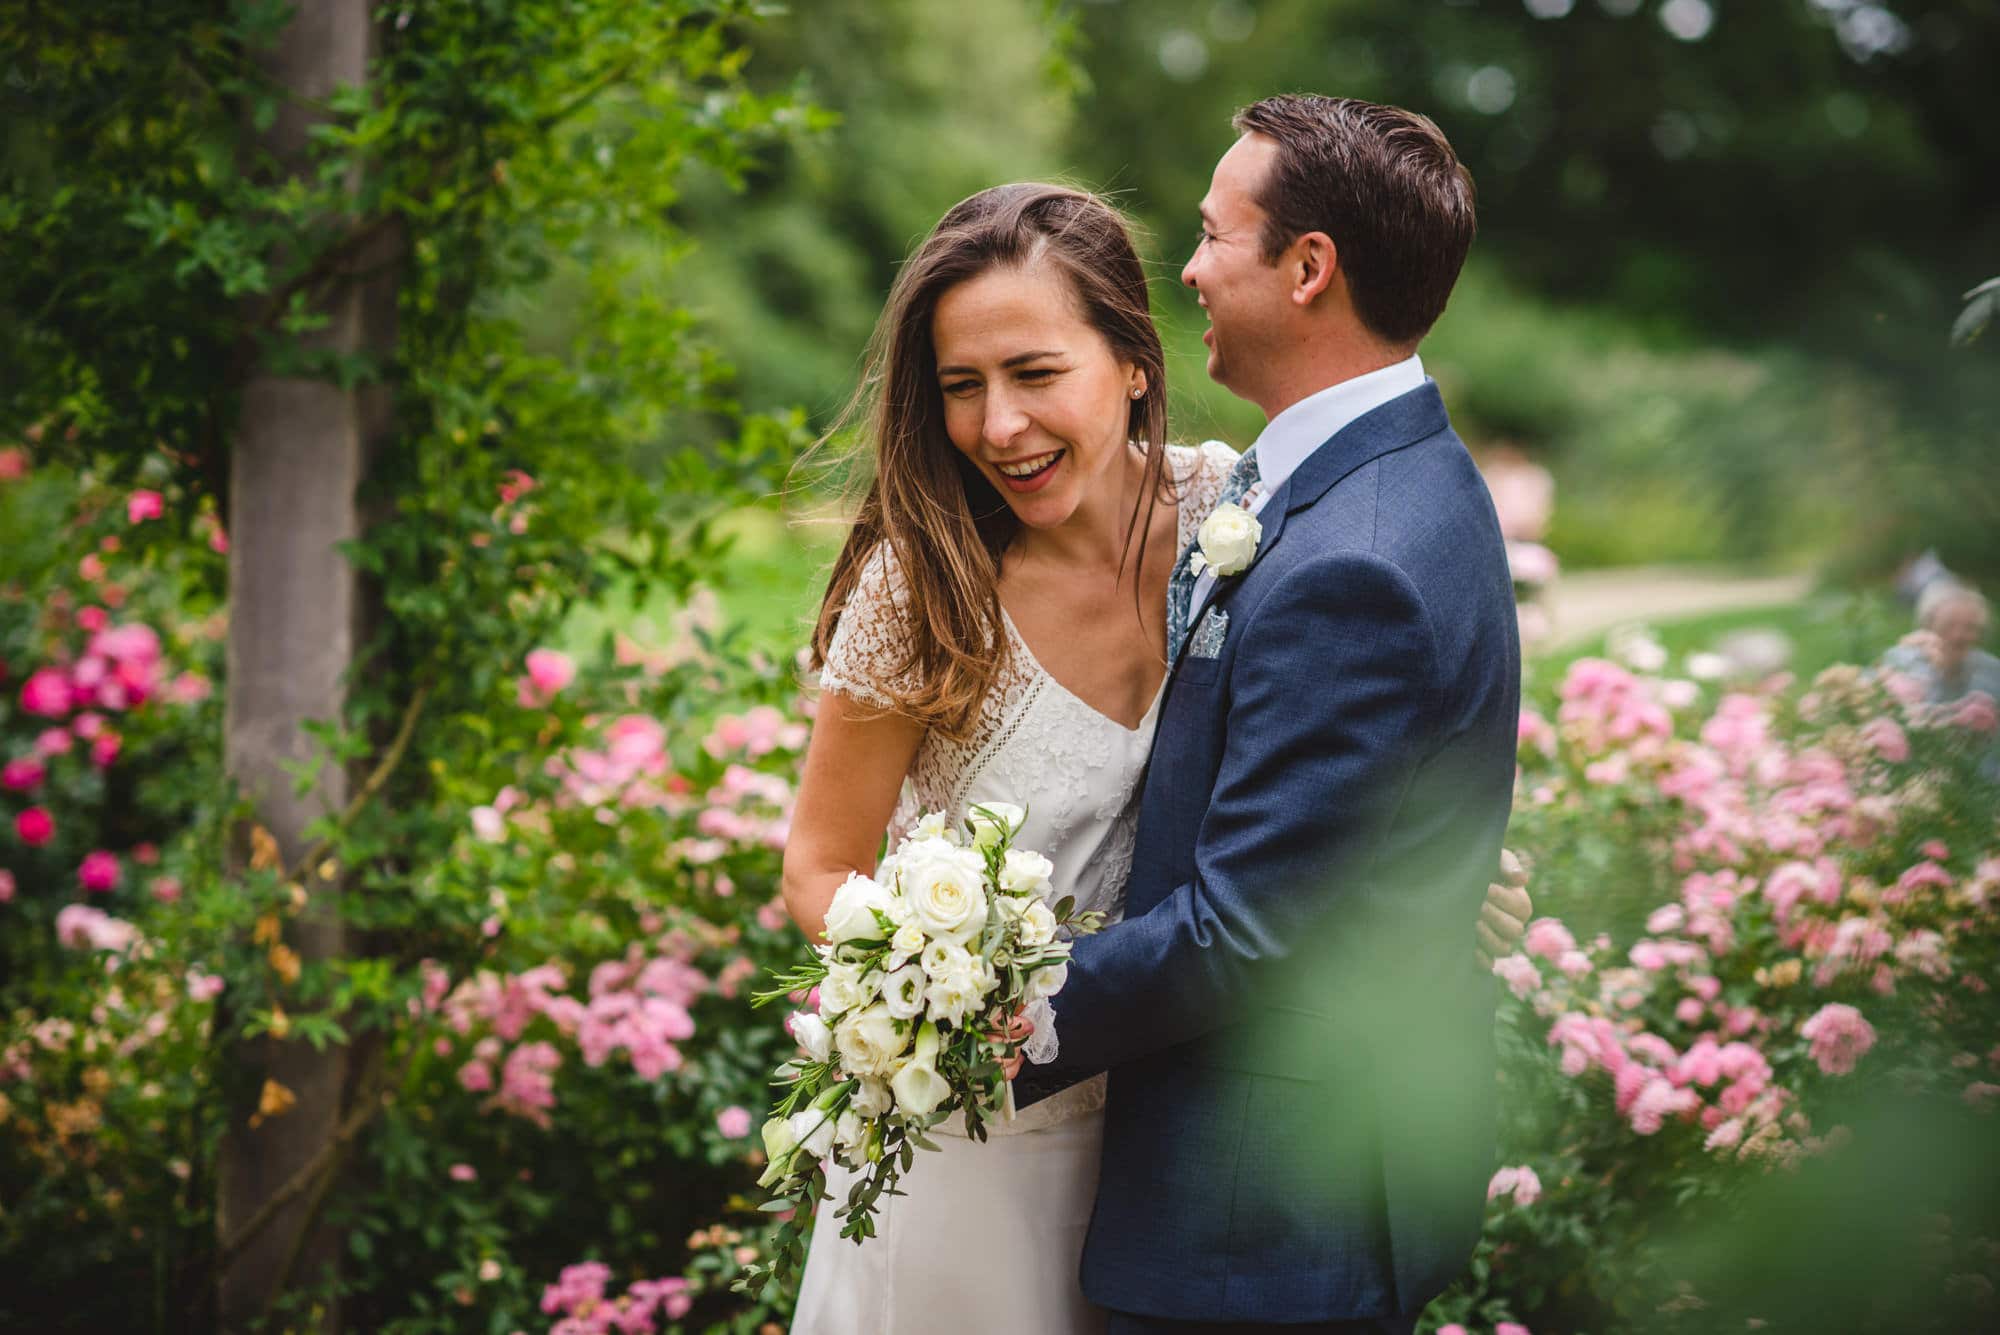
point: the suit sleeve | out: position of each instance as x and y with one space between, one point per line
1331 694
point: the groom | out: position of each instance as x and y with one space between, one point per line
1299 1126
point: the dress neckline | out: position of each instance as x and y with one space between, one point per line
1021 643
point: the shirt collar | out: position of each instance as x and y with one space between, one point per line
1302 428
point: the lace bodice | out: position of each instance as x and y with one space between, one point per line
1032 743
867 651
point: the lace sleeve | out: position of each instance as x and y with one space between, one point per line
1202 470
867 658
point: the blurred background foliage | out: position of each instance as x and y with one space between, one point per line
1722 244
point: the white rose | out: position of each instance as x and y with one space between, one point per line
871 1097
851 915
1045 981
1025 872
868 1041
903 992
993 822
946 888
812 1034
1228 538
919 1089
813 1128
843 990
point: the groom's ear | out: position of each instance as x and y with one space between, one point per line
1315 262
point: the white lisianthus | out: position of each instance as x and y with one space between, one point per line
934 825
960 990
851 1131
946 888
843 989
905 944
903 992
993 821
1038 925
871 1097
941 958
811 1033
918 1087
868 1041
1228 538
779 1142
851 915
813 1129
1026 873
1045 981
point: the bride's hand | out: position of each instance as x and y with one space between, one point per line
1503 918
1017 1031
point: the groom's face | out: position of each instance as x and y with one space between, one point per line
1247 297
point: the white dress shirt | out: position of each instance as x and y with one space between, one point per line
1291 437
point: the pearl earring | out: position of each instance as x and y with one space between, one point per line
1139 392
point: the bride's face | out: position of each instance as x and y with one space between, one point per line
1033 395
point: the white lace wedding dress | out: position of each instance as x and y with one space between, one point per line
988 1237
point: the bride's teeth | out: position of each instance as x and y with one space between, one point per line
1028 467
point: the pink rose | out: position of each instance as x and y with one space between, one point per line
463 1172
1839 1037
165 889
13 464
1511 1328
549 672
1976 713
35 827
46 693
53 742
6 886
733 1122
143 505
203 986
99 872
23 775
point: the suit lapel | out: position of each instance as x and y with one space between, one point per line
1403 420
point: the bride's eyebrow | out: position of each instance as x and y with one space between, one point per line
1018 359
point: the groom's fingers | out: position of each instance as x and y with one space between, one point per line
1491 946
1513 867
1507 907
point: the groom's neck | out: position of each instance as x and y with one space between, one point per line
1324 360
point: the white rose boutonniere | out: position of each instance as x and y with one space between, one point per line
1228 539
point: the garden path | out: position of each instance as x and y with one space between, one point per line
1589 602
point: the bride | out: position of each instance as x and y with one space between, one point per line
995 630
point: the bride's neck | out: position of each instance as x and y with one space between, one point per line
1094 537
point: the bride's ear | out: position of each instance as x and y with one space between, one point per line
1316 259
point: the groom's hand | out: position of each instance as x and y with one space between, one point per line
1503 918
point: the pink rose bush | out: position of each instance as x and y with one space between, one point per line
1761 905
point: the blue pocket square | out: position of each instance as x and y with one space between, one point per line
1206 641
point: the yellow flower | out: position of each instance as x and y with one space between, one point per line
285 962
274 1101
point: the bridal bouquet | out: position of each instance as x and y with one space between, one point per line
923 967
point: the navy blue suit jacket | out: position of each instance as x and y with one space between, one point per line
1300 1119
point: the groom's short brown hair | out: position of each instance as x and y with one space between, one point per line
1385 185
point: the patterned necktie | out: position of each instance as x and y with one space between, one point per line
1180 584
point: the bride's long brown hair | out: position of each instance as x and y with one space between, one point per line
943 520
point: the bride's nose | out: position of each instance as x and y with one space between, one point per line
1005 419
